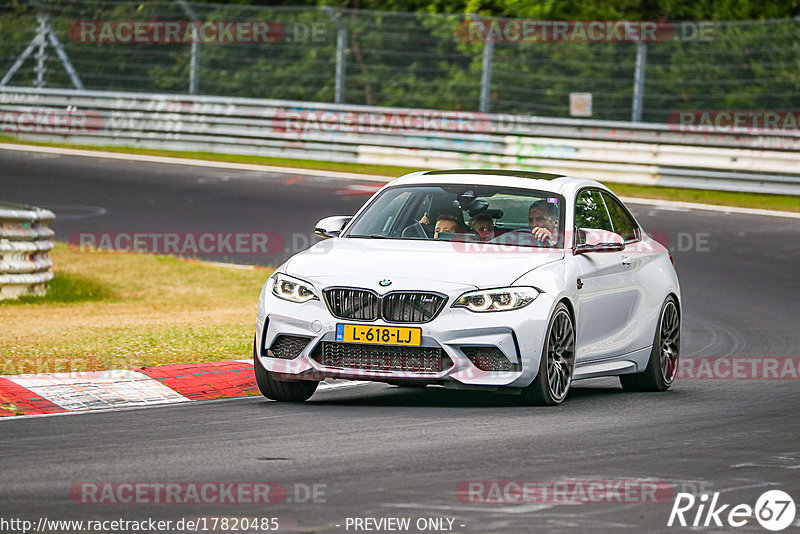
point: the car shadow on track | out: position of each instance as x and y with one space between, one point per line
435 397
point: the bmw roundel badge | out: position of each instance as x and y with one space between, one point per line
385 282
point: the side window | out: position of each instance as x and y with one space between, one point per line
590 212
623 223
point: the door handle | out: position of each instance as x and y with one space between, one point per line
626 259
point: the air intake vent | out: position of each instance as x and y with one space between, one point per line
382 358
287 347
489 359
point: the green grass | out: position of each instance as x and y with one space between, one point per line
64 288
703 196
125 310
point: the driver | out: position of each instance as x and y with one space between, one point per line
543 220
445 224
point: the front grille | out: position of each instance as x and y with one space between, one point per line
352 304
382 358
396 307
412 307
287 347
489 359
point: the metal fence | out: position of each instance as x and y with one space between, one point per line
403 59
622 152
24 246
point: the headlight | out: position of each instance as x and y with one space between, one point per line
507 298
288 288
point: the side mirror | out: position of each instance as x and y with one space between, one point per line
595 240
331 226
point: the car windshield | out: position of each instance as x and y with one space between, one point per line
477 213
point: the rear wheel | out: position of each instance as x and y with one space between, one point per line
663 364
551 385
281 390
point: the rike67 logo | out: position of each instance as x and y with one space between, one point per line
774 510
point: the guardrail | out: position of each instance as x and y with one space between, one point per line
639 153
24 246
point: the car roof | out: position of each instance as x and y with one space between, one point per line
556 183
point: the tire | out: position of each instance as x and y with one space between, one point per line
662 367
281 390
551 385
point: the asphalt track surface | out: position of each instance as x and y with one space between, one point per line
384 451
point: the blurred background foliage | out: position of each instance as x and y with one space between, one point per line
409 54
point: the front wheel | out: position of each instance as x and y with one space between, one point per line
557 364
663 364
281 390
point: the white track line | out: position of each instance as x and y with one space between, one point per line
192 162
708 207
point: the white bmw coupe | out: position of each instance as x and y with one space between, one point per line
496 280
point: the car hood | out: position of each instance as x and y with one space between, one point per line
411 264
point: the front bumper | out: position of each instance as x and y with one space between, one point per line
518 334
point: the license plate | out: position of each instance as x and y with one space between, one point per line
378 335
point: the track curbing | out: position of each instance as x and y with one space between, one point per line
53 393
99 391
